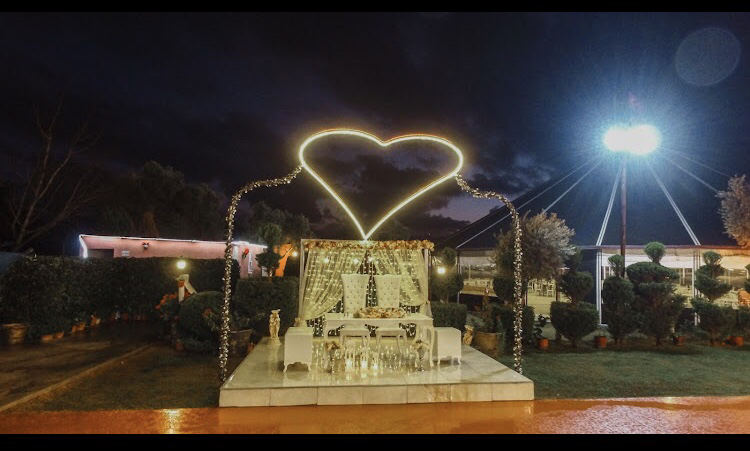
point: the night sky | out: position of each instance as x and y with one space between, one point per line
228 98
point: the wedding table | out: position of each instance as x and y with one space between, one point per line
335 320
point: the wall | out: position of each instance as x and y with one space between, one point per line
134 248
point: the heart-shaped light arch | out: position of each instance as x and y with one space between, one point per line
383 144
232 210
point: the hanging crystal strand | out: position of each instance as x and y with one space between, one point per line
517 266
231 212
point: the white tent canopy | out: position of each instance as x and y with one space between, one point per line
321 286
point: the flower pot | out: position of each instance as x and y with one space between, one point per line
488 342
678 340
542 343
95 321
238 342
737 340
179 346
15 333
59 335
47 338
600 341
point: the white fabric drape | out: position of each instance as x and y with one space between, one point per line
323 285
410 265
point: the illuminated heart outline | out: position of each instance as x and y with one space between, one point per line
361 134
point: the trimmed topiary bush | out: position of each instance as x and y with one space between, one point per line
655 299
449 314
717 321
574 321
505 314
254 298
617 308
199 315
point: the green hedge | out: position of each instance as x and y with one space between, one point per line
50 293
200 316
254 298
449 314
505 312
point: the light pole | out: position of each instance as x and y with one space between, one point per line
630 140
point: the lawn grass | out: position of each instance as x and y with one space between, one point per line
638 369
159 378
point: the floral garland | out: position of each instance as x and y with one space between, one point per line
377 245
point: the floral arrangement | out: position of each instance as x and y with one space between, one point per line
380 245
169 306
380 312
331 345
419 344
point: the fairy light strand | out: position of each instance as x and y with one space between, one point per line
517 266
231 212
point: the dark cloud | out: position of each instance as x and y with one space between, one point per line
227 98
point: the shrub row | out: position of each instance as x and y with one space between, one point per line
449 314
51 293
251 305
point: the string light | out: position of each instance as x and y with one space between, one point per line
415 137
517 262
231 212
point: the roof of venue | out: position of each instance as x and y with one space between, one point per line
671 198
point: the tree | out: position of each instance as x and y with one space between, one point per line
294 227
545 243
617 303
655 299
715 320
575 284
444 286
53 191
707 277
156 201
655 251
270 234
735 210
575 319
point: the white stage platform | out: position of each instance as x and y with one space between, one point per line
260 381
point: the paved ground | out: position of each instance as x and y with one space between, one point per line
642 415
27 368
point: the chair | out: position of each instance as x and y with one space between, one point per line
388 289
355 291
394 331
427 335
447 343
350 330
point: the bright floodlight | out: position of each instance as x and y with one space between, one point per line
181 264
441 270
639 140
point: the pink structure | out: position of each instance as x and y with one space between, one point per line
97 246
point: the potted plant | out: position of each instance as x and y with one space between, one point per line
740 327
600 340
239 335
15 333
542 342
488 336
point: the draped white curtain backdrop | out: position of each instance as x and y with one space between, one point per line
410 265
323 285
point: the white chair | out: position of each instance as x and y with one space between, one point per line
388 289
447 343
298 346
393 331
355 291
350 330
427 335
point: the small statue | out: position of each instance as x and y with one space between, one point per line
273 324
297 322
468 335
